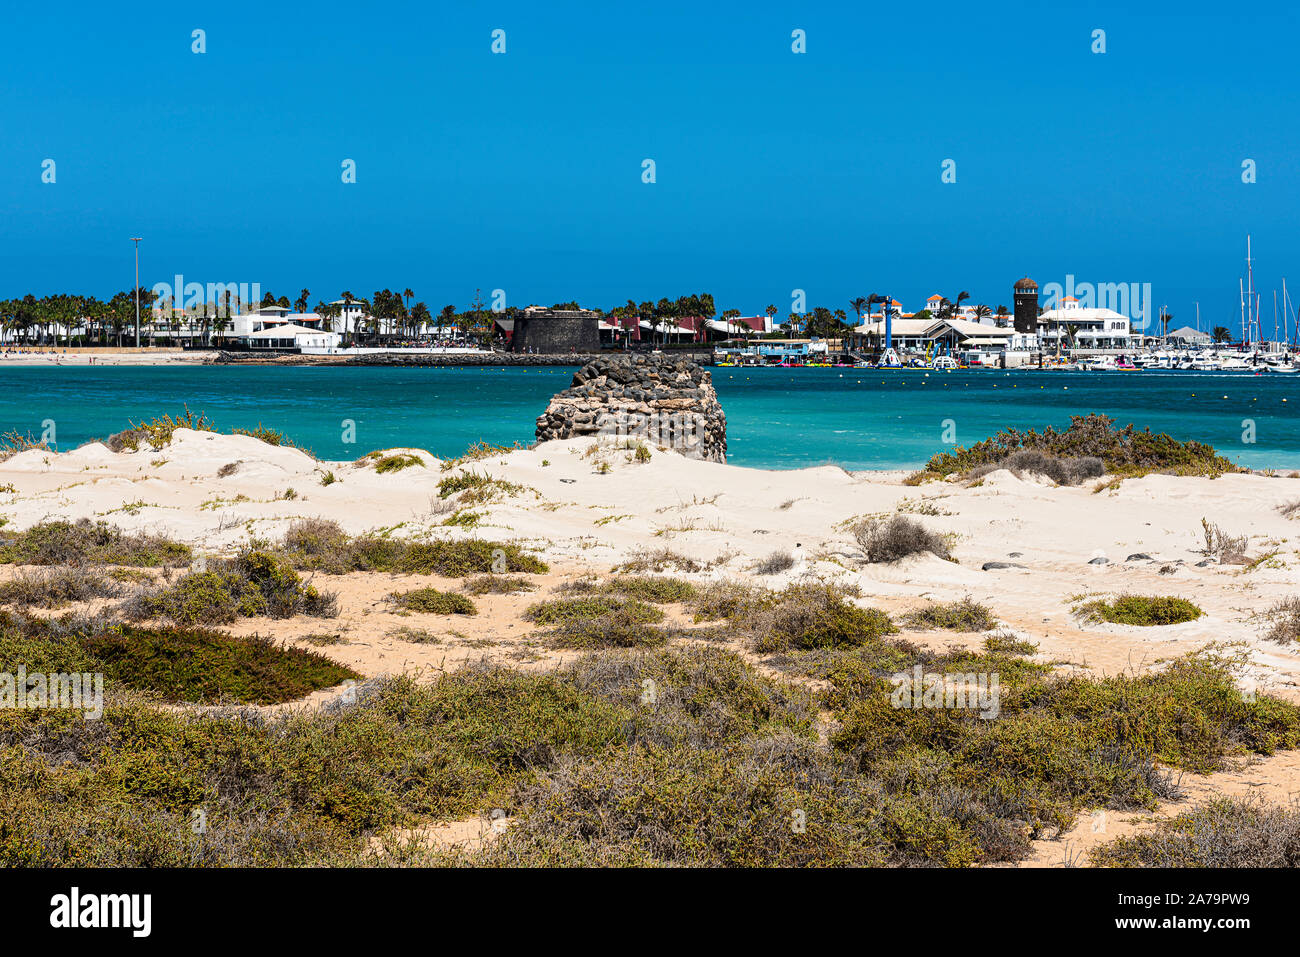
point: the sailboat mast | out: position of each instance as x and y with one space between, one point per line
1286 324
1241 291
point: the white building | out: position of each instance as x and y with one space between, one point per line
290 336
944 335
1094 327
352 319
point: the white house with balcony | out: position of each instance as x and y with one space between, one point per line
1094 327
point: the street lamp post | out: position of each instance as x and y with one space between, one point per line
136 240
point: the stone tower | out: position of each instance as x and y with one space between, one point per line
1026 305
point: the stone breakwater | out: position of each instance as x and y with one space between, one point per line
665 402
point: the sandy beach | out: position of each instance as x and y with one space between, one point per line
105 357
1057 544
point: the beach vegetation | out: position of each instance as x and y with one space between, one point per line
157 432
558 611
613 625
477 451
774 564
84 542
895 538
269 436
418 636
321 639
660 755
1285 619
799 616
392 463
660 560
57 587
965 614
498 585
655 589
302 788
1123 452
1143 610
475 488
1070 470
173 665
430 601
464 518
12 443
1221 546
322 545
255 583
1223 832
1008 642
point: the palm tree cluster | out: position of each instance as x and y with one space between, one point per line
68 320
667 313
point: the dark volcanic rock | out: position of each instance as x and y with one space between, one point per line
665 402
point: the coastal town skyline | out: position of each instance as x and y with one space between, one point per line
450 157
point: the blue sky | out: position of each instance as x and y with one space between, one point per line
775 171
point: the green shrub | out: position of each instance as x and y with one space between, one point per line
559 611
651 588
253 584
1006 642
157 432
206 666
799 616
1224 832
392 463
304 788
616 628
57 587
1124 452
896 538
1146 610
498 585
962 615
430 601
86 543
323 546
481 488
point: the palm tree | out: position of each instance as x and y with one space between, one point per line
1165 319
1072 330
858 304
300 304
1221 334
982 312
420 317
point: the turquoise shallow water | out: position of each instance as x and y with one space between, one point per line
777 418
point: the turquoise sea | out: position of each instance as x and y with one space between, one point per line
777 418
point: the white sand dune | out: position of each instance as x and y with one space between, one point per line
729 518
583 516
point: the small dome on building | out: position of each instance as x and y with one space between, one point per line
1026 285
